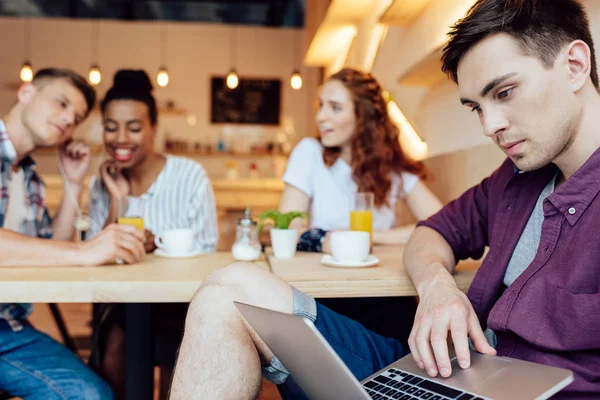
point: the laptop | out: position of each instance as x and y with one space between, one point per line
321 373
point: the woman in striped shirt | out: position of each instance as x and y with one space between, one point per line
168 192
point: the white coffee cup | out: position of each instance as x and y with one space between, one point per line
176 241
352 246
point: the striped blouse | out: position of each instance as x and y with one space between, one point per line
181 197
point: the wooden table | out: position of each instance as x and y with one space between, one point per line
156 280
170 280
307 274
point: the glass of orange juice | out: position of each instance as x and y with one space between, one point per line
122 219
361 214
138 222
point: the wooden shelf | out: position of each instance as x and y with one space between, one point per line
248 184
179 112
98 149
216 154
230 194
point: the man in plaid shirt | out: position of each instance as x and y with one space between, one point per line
47 110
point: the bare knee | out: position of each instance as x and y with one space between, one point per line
243 282
235 273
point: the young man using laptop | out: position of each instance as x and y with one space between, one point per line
527 69
32 365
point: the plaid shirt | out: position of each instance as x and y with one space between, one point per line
37 222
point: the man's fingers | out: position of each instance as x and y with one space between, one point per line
476 334
81 152
64 146
77 149
423 343
414 351
439 344
459 333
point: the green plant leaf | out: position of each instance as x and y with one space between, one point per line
269 217
278 219
290 216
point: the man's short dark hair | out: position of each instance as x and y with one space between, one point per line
73 78
542 28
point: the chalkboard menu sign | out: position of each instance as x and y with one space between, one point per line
254 101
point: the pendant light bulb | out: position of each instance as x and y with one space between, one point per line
296 80
94 76
232 80
163 77
26 72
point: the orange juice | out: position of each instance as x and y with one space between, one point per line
362 220
138 222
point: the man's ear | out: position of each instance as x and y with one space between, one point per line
579 64
26 92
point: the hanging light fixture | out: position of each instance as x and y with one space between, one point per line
296 78
26 70
94 76
162 78
232 80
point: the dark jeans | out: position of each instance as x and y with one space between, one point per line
363 351
388 316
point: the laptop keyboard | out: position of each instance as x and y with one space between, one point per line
396 384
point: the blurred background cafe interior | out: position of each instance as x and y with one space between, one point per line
236 84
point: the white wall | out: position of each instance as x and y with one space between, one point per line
195 52
593 10
445 124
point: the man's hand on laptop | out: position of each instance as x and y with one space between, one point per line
444 308
123 242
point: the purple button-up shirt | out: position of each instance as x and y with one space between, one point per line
551 313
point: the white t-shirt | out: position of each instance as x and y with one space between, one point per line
16 211
332 189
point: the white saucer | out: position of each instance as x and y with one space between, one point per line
162 253
370 261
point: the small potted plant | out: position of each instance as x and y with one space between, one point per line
283 239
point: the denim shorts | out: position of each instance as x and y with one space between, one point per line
34 366
363 351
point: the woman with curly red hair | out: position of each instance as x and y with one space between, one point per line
358 151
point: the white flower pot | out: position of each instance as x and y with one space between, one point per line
284 242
